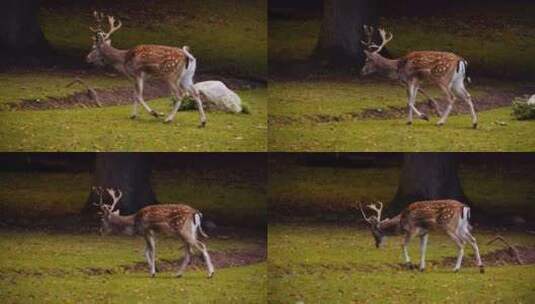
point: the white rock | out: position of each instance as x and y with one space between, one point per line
531 100
216 95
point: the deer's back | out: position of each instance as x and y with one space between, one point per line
165 218
430 63
156 60
430 214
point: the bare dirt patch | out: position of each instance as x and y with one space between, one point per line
122 95
501 257
219 259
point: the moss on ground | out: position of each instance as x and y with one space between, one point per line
332 264
110 129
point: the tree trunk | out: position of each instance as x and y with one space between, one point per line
427 176
20 33
129 172
341 32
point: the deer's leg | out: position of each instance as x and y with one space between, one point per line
139 96
433 102
451 100
150 253
412 91
423 249
194 93
470 239
134 106
404 246
460 250
177 94
186 260
461 92
202 248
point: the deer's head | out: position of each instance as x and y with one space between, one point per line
375 222
101 38
108 212
373 61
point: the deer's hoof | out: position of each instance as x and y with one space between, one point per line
178 275
156 114
203 124
455 270
409 123
474 125
211 275
422 269
424 117
168 120
481 269
440 124
133 116
153 275
409 266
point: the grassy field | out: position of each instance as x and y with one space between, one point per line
497 41
86 268
323 115
110 129
235 199
328 193
333 264
230 37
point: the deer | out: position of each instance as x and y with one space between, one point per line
418 219
179 220
444 69
176 66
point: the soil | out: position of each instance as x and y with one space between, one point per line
493 99
500 257
123 95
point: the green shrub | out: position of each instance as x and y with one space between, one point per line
522 110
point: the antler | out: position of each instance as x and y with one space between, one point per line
115 198
113 28
362 211
378 210
385 38
98 191
368 33
99 17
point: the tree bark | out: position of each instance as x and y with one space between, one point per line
341 32
20 32
129 172
427 176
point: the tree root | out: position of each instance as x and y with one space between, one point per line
90 91
512 250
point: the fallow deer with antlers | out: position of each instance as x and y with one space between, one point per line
174 65
418 219
177 220
444 69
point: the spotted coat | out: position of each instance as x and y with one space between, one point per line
156 60
165 218
431 214
429 65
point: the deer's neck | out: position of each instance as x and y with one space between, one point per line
123 224
388 67
114 57
391 226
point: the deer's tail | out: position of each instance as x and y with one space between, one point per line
191 66
461 69
197 225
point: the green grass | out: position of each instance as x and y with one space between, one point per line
60 275
228 37
330 264
296 109
328 193
497 41
40 85
110 129
235 197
